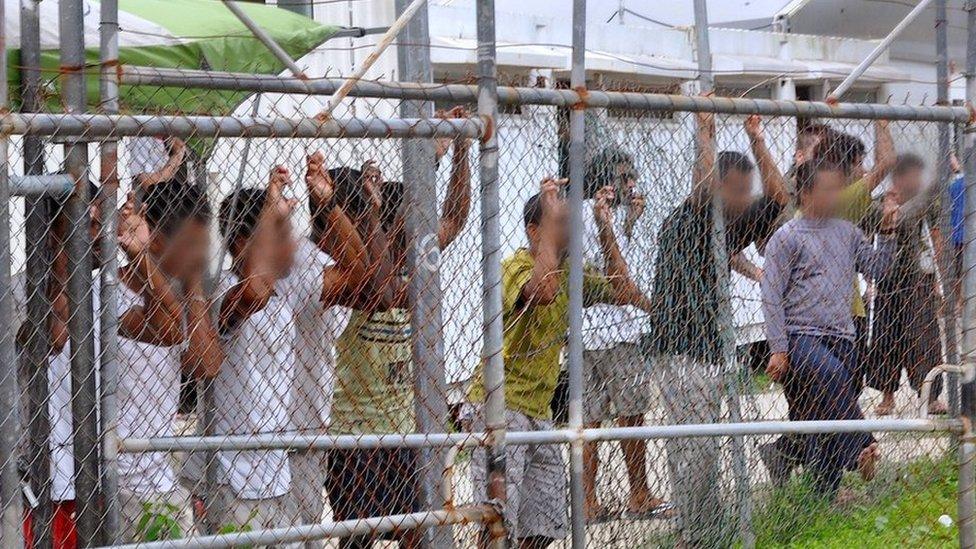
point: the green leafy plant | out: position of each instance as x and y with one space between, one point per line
158 521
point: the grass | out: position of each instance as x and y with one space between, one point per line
900 508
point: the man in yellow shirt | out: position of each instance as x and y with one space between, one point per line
535 301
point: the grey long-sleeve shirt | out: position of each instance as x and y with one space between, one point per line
807 277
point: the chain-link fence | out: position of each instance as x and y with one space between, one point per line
456 315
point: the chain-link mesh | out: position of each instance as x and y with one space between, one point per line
268 299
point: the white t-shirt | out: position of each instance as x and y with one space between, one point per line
254 386
148 397
316 331
605 326
59 391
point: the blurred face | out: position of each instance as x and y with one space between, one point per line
556 224
185 252
823 199
736 191
907 185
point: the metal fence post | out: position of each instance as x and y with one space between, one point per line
413 61
494 369
967 504
108 290
84 393
11 514
947 263
34 356
725 318
574 355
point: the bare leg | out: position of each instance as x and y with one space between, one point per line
887 405
635 451
591 463
867 461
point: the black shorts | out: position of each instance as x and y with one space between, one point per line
372 483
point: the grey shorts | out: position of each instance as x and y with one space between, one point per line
616 383
535 481
236 515
308 470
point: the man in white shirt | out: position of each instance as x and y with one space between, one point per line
318 324
170 237
154 320
264 297
616 377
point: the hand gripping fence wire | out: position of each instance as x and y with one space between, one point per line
525 133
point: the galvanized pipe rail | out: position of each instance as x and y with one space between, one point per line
95 126
558 436
347 528
147 76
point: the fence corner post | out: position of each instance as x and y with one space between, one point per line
574 355
494 367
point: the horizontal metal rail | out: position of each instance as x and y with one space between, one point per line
559 436
462 93
90 126
41 185
346 528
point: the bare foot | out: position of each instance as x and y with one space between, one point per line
844 497
867 462
643 504
938 408
595 512
886 407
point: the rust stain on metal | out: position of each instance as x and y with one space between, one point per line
68 69
489 131
584 95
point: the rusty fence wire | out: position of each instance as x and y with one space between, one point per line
265 329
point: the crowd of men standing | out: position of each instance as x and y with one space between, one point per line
308 331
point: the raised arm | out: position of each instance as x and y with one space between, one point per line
203 354
159 320
457 203
625 292
703 173
177 152
884 155
345 282
543 287
257 276
773 182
